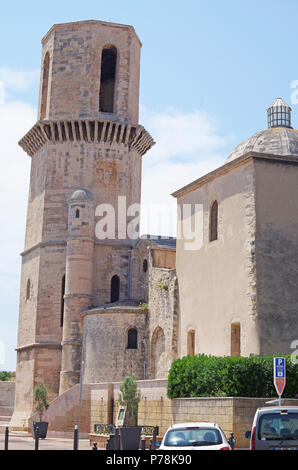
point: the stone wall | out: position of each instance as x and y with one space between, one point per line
276 254
107 354
163 313
217 282
7 393
63 413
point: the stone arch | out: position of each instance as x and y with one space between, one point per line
132 338
45 86
107 79
158 354
115 289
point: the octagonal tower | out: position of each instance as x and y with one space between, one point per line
87 141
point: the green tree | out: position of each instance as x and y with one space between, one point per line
41 400
4 375
130 397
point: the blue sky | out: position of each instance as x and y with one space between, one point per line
208 72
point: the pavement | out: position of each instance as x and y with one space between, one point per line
26 442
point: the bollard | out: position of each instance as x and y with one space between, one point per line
94 446
6 438
112 442
143 443
151 445
117 439
36 438
75 438
155 433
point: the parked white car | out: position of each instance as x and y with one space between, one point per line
195 436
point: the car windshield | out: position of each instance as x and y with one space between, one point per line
276 426
193 437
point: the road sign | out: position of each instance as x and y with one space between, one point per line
279 365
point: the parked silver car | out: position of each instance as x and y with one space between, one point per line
274 428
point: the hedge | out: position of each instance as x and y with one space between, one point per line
209 376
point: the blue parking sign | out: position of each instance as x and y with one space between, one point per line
280 367
279 374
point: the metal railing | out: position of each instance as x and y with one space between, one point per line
107 429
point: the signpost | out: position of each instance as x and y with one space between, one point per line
279 366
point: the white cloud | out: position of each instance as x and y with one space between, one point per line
188 146
15 120
18 80
184 136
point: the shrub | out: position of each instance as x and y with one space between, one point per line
203 376
41 400
130 397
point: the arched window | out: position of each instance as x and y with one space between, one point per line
77 214
62 300
28 289
159 366
115 289
235 339
132 338
214 222
45 86
107 79
145 266
191 343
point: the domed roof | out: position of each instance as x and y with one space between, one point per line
272 141
81 195
278 139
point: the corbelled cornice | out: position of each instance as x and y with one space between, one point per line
99 131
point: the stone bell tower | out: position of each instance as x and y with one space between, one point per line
86 150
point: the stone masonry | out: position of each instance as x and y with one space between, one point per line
81 158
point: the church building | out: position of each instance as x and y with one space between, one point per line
98 309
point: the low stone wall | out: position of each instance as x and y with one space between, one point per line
7 393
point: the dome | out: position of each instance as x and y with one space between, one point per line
279 139
273 141
81 195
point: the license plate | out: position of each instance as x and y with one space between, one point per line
285 448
